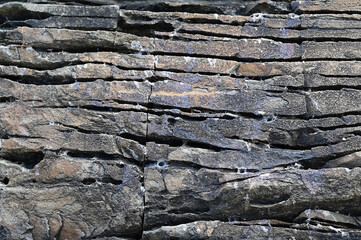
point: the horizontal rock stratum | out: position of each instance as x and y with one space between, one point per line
236 119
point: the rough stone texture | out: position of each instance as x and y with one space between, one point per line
180 119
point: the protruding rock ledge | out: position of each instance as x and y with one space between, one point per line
176 194
240 230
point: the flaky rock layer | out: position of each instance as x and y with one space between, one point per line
180 119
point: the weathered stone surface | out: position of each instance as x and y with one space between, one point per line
248 158
331 21
342 101
93 198
262 31
202 6
15 9
74 22
240 133
226 82
331 50
98 93
350 161
242 49
327 216
186 194
181 95
71 74
180 119
59 16
130 16
64 39
328 6
40 60
195 64
236 230
263 21
70 130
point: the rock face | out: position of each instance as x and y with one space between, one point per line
180 119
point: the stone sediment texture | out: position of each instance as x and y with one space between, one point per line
180 119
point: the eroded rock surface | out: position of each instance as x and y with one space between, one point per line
180 119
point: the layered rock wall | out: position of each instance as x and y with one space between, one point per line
180 119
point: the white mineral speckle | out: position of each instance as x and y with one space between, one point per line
338 230
264 229
188 59
6 50
293 16
135 156
257 17
314 103
137 46
24 170
212 62
248 146
21 71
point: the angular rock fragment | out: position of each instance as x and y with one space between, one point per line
328 218
350 161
